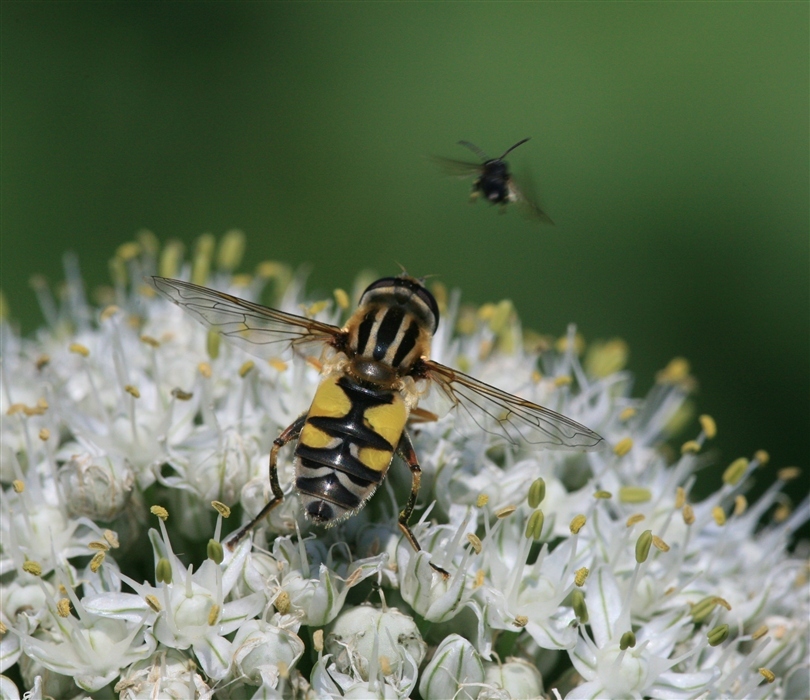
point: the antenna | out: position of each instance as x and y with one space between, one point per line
509 150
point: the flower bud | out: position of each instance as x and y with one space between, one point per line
260 648
517 677
455 671
96 487
362 634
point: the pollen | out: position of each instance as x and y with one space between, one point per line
760 631
277 364
160 511
740 504
128 251
767 674
97 561
63 607
580 576
385 665
341 298
132 391
675 372
221 508
314 309
480 577
112 538
18 485
577 523
32 567
109 312
708 426
246 367
231 250
563 380
474 541
213 615
505 512
782 513
735 471
205 370
79 349
98 545
680 497
788 473
627 414
688 514
603 494
317 640
719 515
482 500
520 621
42 362
690 446
153 602
282 602
44 434
635 518
762 457
659 544
621 448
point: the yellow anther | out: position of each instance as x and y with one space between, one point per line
480 577
580 576
97 561
563 380
341 298
577 523
634 494
246 367
788 473
111 538
536 376
44 434
38 410
201 262
213 615
18 485
109 312
482 500
690 446
3 629
282 602
205 370
385 665
722 602
627 414
740 504
148 241
475 541
150 341
606 358
762 457
439 292
633 519
537 492
127 251
63 607
170 259
760 631
680 497
231 250
675 372
659 544
15 408
562 344
221 508
132 391
79 349
32 567
277 364
735 471
315 308
719 515
603 494
283 669
42 361
688 514
213 340
505 512
163 571
271 268
621 448
98 545
317 640
181 395
153 602
767 674
708 426
521 621
242 280
160 511
782 513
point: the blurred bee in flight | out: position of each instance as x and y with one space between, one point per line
374 371
493 180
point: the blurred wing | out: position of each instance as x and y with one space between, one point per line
259 330
513 418
527 204
457 168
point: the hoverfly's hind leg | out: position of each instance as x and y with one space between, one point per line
290 433
406 451
475 192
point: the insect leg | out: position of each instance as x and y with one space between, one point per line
290 433
406 451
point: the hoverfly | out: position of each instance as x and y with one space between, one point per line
371 369
493 181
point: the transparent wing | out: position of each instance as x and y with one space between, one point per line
508 416
527 203
457 168
259 330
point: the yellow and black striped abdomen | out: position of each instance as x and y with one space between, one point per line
346 446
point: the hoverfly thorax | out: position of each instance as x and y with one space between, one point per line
391 329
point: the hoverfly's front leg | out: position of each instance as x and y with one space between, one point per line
406 451
290 433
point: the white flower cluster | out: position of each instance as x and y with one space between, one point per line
576 575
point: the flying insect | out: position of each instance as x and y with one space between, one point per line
372 371
493 180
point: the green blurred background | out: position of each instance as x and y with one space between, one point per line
669 141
